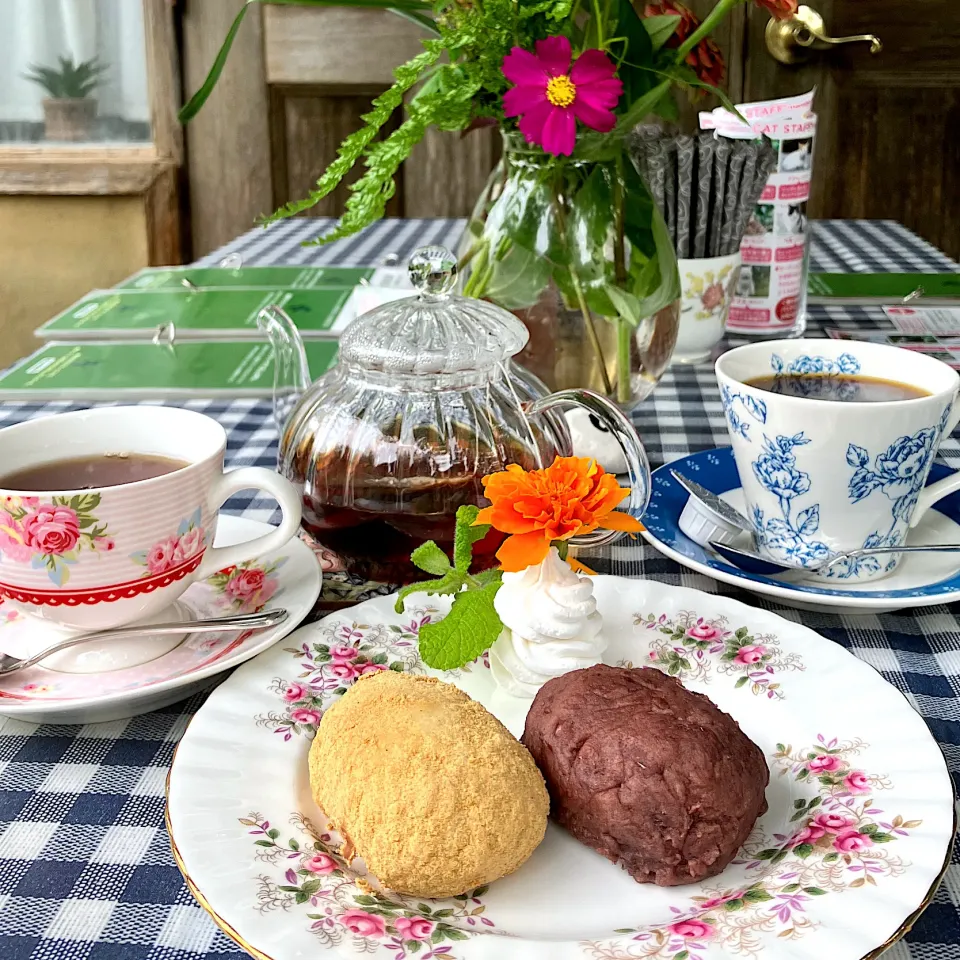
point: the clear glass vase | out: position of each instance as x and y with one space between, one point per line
575 250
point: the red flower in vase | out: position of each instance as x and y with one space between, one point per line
550 96
705 58
779 9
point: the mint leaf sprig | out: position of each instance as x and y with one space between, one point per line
472 625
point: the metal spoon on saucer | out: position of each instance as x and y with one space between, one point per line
752 562
247 621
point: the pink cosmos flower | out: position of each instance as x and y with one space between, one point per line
413 928
294 692
51 530
343 671
303 715
750 655
161 555
809 834
363 924
692 929
550 97
833 822
825 763
850 841
703 631
343 651
856 782
190 544
320 863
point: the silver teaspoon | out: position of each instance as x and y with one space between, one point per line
247 621
753 562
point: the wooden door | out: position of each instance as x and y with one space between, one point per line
888 136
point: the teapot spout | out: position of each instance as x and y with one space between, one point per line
291 373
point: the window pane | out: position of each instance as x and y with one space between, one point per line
74 72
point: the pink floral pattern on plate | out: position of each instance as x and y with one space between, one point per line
342 652
248 586
841 840
52 534
693 648
172 551
310 871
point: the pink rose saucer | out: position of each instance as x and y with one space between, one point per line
123 678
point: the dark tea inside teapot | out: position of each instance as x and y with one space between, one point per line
423 403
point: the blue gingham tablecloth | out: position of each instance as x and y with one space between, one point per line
86 871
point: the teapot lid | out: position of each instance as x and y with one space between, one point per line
435 332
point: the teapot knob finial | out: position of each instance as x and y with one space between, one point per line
433 271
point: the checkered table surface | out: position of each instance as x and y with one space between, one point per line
86 871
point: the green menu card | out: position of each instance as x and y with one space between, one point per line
868 288
142 371
179 278
229 314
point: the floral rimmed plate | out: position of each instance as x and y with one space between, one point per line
288 578
921 580
856 837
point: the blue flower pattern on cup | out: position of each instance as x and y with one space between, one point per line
899 473
789 536
846 364
753 406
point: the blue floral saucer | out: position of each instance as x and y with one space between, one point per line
920 580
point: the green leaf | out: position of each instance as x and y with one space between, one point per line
365 900
451 582
413 946
882 837
815 891
429 557
481 890
741 682
661 28
396 666
637 53
732 905
466 535
264 843
310 887
464 633
625 303
293 845
803 850
682 955
756 895
454 934
639 109
273 833
301 897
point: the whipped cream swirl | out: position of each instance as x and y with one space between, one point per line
550 626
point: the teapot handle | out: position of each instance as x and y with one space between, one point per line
638 468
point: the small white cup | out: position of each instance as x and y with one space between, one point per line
93 559
824 477
706 286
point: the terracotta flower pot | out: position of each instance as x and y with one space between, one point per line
69 118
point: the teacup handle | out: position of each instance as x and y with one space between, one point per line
252 478
638 467
942 488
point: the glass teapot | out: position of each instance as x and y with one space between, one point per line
423 402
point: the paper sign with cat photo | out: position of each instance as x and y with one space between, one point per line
771 291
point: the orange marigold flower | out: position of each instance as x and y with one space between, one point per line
573 495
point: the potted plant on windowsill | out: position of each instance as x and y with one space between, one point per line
69 111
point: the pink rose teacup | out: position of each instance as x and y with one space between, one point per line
130 524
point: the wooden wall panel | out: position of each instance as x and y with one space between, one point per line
446 172
228 142
307 126
336 45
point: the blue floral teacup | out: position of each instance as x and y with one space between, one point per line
822 477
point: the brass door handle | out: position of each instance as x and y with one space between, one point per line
792 40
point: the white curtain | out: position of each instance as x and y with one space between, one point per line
40 31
